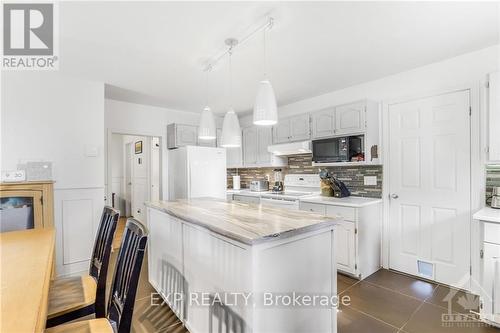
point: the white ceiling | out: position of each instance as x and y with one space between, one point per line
152 52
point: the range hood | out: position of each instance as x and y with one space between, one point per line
293 148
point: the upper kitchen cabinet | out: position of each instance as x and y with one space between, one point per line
179 135
234 155
323 123
290 129
358 118
341 120
494 117
256 139
350 118
250 146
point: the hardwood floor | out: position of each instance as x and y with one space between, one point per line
384 302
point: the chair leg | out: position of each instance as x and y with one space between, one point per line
88 310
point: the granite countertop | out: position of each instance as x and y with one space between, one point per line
488 214
246 223
356 202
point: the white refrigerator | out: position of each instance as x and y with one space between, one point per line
196 172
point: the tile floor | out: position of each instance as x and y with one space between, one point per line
384 302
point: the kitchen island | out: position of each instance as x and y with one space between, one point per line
244 267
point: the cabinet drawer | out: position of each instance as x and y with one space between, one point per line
346 213
312 207
492 233
244 198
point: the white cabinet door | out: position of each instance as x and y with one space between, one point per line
234 156
494 117
186 135
300 128
491 285
281 132
350 118
250 146
265 139
323 123
345 240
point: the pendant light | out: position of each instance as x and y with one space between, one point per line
265 110
231 131
206 129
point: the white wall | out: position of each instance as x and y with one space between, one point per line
51 117
138 119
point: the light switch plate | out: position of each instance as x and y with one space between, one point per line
370 180
91 151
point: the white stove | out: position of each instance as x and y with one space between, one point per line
296 186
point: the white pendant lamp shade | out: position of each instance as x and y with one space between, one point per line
265 110
206 130
231 131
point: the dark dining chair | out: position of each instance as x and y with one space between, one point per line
123 288
74 297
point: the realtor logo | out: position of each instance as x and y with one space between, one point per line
29 36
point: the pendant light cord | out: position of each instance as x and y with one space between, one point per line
206 86
230 77
265 53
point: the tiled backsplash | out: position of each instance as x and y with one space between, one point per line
492 178
352 176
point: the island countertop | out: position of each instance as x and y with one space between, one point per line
246 223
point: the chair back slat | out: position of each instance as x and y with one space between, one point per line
126 275
101 253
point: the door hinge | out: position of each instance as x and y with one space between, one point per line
355 231
481 254
470 270
470 110
487 84
355 266
41 200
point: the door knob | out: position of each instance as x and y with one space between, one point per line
394 196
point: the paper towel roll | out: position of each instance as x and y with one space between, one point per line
236 183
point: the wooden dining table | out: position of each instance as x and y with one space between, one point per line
26 261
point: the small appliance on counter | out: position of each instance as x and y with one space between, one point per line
236 182
495 197
278 181
259 185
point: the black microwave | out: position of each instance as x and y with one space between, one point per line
340 149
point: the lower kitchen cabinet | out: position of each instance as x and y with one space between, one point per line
246 198
345 238
489 268
358 236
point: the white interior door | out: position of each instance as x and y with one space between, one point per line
155 169
429 147
128 179
140 179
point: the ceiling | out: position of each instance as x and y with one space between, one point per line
153 52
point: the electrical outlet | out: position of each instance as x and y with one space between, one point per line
370 180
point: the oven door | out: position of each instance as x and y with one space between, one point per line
331 150
291 204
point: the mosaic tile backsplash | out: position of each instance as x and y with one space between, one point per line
352 176
492 179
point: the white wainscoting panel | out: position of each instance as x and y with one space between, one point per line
76 213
